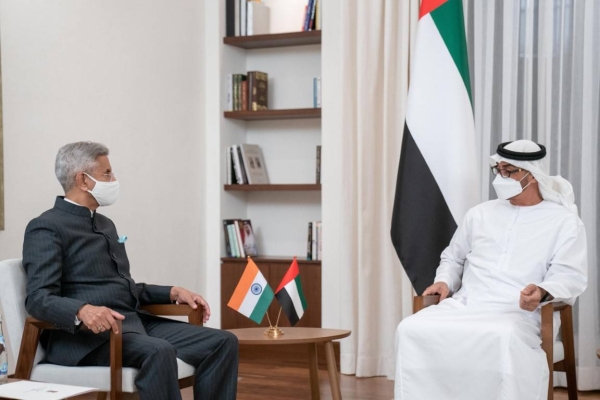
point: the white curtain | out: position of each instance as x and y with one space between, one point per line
535 72
366 46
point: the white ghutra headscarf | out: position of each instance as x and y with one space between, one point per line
532 157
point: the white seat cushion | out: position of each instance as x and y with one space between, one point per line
96 377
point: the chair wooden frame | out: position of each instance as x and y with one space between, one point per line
33 330
566 328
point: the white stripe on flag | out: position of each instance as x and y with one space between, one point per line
292 290
251 299
440 119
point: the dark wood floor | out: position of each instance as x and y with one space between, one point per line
265 382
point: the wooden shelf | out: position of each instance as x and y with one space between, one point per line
293 113
271 259
274 187
274 40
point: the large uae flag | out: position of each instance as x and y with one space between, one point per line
438 176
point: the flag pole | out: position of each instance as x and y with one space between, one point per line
278 315
269 319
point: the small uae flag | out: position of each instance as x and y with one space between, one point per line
290 294
253 295
438 175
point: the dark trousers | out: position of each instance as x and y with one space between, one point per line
213 352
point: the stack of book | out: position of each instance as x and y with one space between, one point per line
312 16
314 243
246 18
239 238
245 165
318 181
248 92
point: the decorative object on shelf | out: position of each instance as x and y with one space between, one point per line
252 295
290 295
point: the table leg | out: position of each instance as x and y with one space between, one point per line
314 371
336 394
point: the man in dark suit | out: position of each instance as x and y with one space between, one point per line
78 273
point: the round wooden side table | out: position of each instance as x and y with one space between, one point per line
308 336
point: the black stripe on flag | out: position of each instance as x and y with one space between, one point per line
422 224
288 306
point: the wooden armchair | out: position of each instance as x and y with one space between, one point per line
560 354
116 380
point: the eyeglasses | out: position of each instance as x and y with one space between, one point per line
505 173
110 175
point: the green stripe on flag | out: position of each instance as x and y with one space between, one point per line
450 22
262 305
300 292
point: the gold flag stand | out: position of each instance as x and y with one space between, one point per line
274 331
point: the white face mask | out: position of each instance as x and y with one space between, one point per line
507 188
105 193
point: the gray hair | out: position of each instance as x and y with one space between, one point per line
74 158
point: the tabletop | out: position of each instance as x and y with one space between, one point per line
290 335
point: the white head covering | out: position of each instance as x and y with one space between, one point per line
552 188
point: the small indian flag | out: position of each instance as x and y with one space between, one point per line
290 294
253 295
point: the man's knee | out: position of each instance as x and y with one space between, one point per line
230 342
162 349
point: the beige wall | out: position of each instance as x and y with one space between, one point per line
124 73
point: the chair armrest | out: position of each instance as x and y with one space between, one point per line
194 316
420 302
559 306
31 338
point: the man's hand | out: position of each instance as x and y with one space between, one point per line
440 288
183 296
531 297
99 319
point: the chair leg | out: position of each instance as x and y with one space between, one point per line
566 317
548 345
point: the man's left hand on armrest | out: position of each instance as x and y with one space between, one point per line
180 295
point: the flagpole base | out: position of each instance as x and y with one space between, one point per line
274 332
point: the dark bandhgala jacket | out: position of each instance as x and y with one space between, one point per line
72 259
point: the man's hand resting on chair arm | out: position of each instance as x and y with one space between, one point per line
180 295
440 288
99 319
532 296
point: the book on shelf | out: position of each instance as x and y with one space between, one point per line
317 92
240 240
318 172
314 243
248 92
245 165
312 16
246 18
254 163
258 90
258 19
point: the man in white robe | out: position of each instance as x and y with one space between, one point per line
507 257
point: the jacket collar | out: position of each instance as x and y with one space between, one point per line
71 208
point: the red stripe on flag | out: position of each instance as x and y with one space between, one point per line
290 275
428 6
